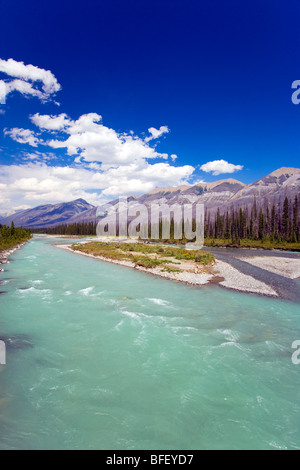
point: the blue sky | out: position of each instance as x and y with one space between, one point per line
210 79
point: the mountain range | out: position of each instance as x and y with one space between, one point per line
49 215
222 194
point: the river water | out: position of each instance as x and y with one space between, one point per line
104 357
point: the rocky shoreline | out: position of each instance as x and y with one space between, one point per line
221 273
4 255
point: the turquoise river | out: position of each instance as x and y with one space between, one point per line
104 357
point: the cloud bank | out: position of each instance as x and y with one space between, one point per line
102 163
105 164
34 183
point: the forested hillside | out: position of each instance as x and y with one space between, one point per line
12 236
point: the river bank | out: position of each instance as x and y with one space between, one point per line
222 272
5 254
267 245
100 356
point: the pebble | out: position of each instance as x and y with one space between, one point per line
6 253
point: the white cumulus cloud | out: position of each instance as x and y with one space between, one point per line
36 183
219 167
22 136
51 123
90 141
106 163
28 80
156 133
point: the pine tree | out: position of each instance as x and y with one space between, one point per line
251 227
286 220
273 222
12 229
262 225
296 220
227 227
255 209
268 221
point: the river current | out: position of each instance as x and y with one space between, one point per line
103 357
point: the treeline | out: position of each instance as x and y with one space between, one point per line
275 223
12 236
84 228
